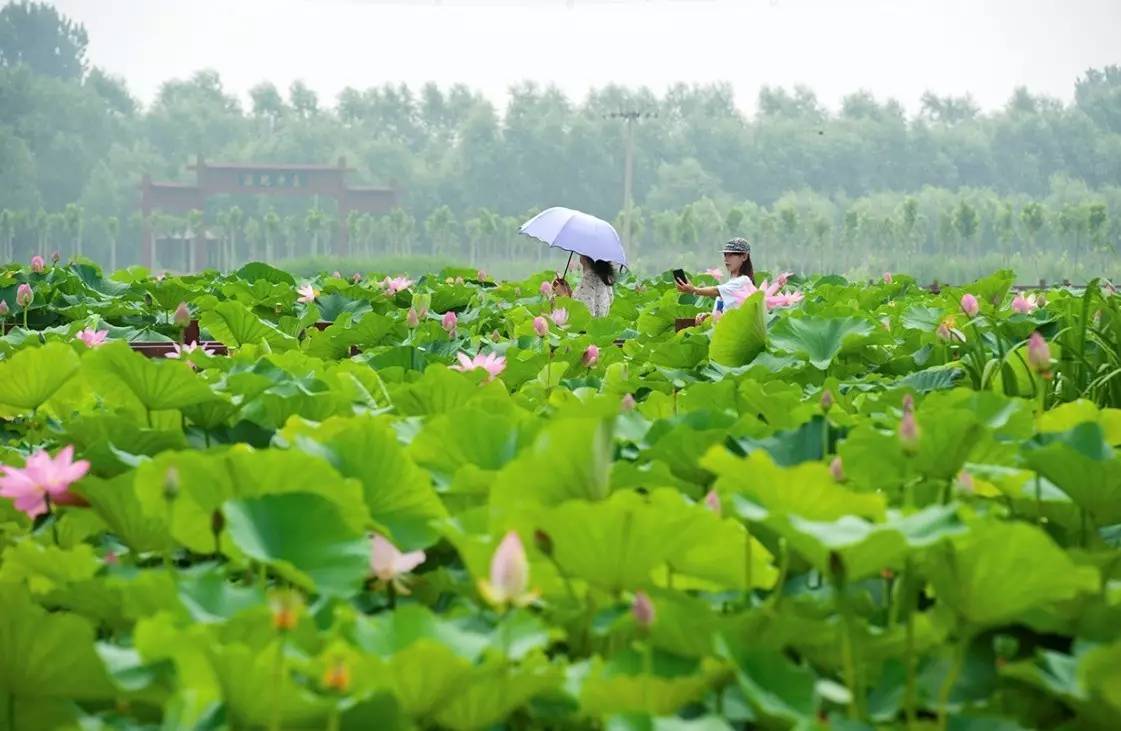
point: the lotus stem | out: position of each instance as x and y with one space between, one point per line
909 598
277 680
951 678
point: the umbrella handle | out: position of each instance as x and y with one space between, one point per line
568 264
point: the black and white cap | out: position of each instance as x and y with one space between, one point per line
737 246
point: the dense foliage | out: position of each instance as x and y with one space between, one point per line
460 503
950 193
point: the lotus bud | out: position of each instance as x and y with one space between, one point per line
24 295
1039 355
908 402
560 317
55 257
837 469
547 289
449 322
412 319
628 403
182 315
37 264
712 502
909 432
540 326
336 275
4 309
966 481
356 278
969 305
887 278
591 355
643 610
826 400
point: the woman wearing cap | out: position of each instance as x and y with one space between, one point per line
741 277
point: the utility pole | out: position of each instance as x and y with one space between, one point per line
629 117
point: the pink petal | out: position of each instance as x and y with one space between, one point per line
509 568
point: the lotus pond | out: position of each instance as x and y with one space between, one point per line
464 504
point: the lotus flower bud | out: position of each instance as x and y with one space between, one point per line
643 610
540 326
4 309
449 322
37 264
909 432
826 400
887 278
24 295
182 315
712 502
55 257
412 319
560 317
591 355
336 275
1039 355
837 469
969 305
628 403
547 289
356 278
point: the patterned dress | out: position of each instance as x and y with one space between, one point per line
596 295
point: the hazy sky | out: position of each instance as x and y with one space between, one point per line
896 48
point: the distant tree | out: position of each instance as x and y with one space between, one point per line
304 101
37 36
1098 94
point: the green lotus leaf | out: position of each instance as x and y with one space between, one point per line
30 377
741 334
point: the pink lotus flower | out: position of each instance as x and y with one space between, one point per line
837 470
1024 305
412 319
783 278
449 322
37 264
712 502
969 305
509 575
643 610
540 326
182 316
307 293
183 352
716 274
1039 355
909 432
491 363
887 278
628 403
560 317
388 564
4 309
42 479
396 284
546 290
93 338
481 275
784 300
24 295
591 355
356 278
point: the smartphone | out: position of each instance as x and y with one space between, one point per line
679 275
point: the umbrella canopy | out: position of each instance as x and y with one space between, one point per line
578 233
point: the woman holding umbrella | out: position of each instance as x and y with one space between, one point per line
596 288
598 245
